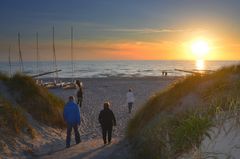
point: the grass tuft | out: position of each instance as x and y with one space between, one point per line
36 100
13 118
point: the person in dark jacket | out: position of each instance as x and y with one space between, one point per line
79 93
71 115
107 120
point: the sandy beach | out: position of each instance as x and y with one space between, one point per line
98 90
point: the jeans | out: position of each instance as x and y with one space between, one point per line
69 131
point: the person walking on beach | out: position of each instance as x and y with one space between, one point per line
79 93
71 115
107 120
130 100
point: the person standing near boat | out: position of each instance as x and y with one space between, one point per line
79 93
71 115
130 100
107 120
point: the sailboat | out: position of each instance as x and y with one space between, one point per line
38 74
71 85
55 83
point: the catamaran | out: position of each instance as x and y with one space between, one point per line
71 85
56 83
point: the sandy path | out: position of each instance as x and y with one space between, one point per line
96 91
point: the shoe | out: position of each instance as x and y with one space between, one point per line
68 146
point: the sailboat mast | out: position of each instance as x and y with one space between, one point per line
37 53
9 61
54 55
72 51
20 54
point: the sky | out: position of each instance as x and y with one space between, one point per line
120 30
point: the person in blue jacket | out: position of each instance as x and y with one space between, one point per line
71 115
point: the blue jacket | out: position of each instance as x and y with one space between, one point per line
71 113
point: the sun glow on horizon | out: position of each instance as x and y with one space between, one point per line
200 48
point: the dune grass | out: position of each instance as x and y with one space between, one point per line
158 131
37 101
163 101
3 77
13 118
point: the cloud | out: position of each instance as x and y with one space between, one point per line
145 30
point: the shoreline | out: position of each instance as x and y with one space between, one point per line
113 78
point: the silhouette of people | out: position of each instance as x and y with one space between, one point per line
130 100
71 115
107 120
79 93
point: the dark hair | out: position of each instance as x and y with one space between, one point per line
106 105
71 98
130 90
79 83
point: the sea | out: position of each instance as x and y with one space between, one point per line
107 69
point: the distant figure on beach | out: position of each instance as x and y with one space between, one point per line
71 115
130 100
79 93
107 120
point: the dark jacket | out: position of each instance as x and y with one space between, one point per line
71 113
106 118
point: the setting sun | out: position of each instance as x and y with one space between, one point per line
200 48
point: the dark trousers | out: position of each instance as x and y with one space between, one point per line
69 131
79 101
130 107
107 131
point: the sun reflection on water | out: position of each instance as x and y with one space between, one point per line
200 64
